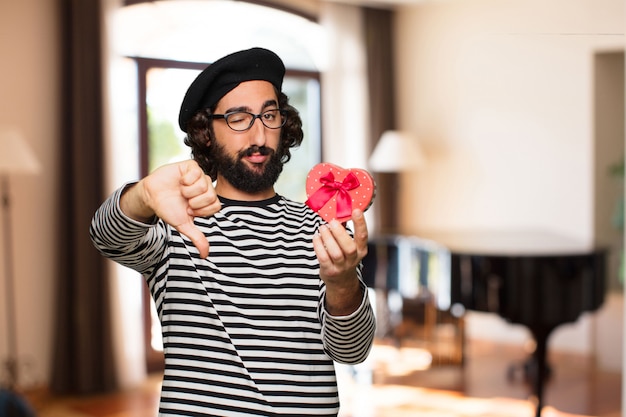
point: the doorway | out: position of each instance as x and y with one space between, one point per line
609 200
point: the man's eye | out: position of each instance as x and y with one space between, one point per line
270 115
237 118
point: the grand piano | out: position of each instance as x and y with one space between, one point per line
539 280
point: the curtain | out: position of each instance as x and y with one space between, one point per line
83 354
379 46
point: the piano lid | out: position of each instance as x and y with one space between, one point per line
509 242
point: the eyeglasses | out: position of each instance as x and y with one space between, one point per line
241 121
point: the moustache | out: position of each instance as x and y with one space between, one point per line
255 149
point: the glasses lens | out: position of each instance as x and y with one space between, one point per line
272 119
239 120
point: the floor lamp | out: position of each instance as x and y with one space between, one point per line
15 158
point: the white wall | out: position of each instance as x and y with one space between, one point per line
29 101
500 94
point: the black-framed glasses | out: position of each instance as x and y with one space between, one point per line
241 121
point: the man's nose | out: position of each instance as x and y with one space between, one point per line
257 133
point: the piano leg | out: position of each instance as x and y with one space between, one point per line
540 372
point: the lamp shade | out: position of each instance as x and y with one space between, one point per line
15 154
396 152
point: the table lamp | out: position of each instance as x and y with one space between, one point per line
395 152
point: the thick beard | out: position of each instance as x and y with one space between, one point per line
251 181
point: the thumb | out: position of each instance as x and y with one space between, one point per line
196 236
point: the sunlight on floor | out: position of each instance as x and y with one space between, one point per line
362 397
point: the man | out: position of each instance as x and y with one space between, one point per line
257 296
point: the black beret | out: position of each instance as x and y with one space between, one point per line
227 73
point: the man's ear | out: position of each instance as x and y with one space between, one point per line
209 135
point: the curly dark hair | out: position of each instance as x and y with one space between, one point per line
200 132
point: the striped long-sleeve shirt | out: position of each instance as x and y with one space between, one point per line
245 331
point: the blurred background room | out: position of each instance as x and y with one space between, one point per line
492 127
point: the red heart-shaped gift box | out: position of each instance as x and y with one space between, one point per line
334 192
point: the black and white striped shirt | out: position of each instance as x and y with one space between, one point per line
245 332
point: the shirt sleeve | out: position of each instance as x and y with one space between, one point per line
348 339
133 244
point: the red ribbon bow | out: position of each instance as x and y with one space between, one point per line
331 187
